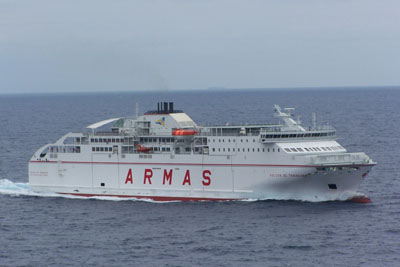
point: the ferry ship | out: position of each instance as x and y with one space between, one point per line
164 155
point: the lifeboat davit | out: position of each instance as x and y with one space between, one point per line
141 148
182 132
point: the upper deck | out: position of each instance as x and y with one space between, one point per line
172 132
156 132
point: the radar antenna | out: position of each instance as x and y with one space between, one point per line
291 124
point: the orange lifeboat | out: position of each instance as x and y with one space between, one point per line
181 132
143 149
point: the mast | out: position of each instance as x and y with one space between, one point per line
291 124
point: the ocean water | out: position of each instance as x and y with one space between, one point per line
37 229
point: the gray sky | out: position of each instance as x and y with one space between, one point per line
95 45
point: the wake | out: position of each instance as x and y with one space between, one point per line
10 188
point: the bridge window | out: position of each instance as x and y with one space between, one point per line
287 149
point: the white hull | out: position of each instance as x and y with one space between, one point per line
185 181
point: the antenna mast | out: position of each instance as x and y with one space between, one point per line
314 120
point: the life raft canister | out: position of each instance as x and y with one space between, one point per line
141 148
181 132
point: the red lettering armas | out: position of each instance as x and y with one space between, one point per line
206 178
167 176
148 173
187 178
129 177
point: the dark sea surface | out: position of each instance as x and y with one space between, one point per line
41 230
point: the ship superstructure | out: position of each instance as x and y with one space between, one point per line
165 155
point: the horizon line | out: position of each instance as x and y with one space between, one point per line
211 88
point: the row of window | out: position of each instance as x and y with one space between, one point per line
156 140
311 149
131 149
65 149
229 140
165 149
297 135
102 149
248 150
142 140
107 140
171 140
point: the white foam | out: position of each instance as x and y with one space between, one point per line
8 187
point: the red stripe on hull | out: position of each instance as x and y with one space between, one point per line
199 164
155 198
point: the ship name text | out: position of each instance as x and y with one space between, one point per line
167 177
